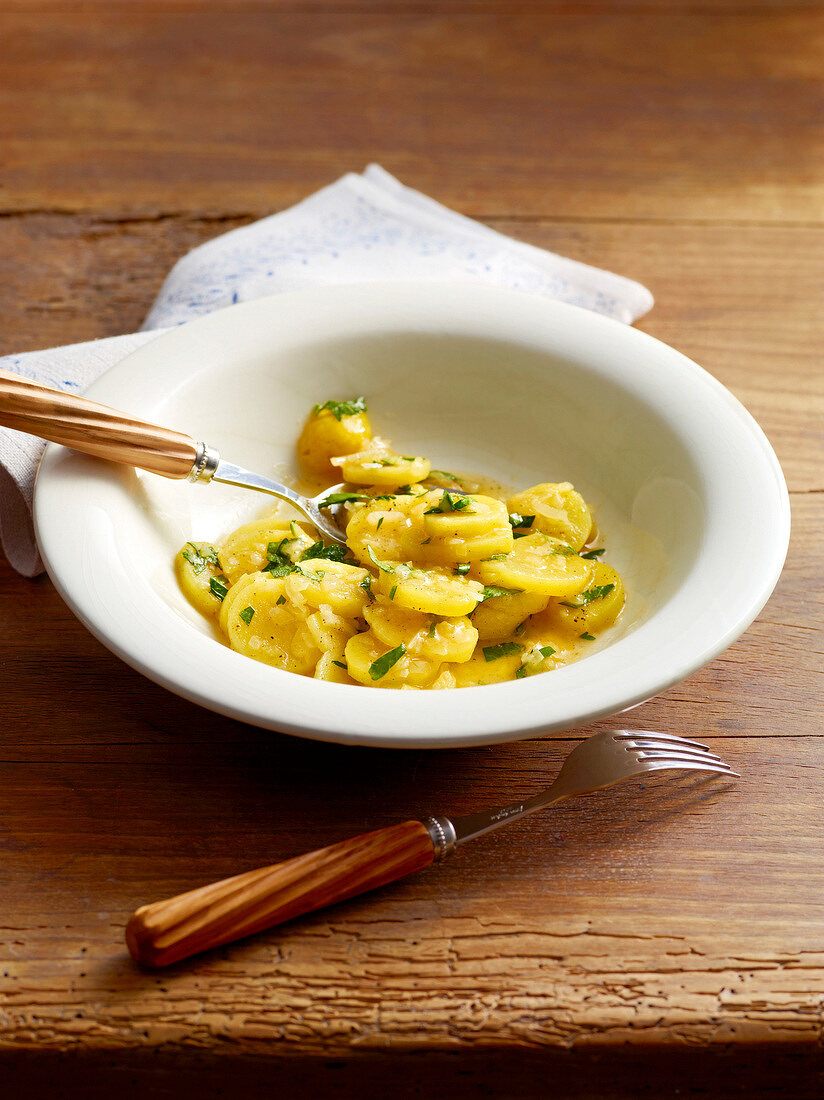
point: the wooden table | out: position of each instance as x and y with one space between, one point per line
625 945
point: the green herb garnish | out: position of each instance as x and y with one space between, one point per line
329 551
219 586
546 650
247 614
496 557
392 591
463 568
443 473
279 565
433 626
384 566
339 409
380 521
565 551
340 664
517 520
587 637
596 593
366 585
381 666
281 599
590 554
340 498
492 590
199 559
493 652
450 503
520 672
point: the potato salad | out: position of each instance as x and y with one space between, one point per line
441 583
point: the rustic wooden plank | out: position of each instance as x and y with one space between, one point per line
712 115
685 911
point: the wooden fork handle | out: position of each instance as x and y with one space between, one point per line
94 429
166 931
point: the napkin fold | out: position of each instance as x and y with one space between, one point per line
365 227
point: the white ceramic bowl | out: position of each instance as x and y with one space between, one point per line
687 491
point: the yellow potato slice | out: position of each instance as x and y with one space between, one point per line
480 670
230 604
335 583
333 668
277 632
392 528
558 509
246 549
541 565
196 565
325 435
438 639
381 467
372 663
498 617
593 609
433 591
477 531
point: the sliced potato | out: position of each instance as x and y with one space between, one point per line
246 549
325 435
372 663
230 604
541 565
496 618
558 509
480 669
433 591
451 639
336 583
196 565
381 467
593 609
276 632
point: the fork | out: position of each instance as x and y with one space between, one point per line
167 931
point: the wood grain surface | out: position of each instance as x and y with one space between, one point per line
659 940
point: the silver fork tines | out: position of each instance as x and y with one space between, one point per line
598 762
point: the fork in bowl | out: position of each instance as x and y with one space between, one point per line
167 931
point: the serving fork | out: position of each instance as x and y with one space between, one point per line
167 931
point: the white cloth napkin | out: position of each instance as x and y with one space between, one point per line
363 228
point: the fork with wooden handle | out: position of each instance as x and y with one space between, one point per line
167 931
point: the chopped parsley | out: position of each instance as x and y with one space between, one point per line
279 565
587 637
378 524
546 650
381 666
517 520
443 473
450 503
463 568
339 409
564 551
341 664
392 591
520 672
199 559
596 593
490 591
496 557
384 566
248 613
219 586
329 551
590 554
433 626
493 652
366 585
340 498
281 599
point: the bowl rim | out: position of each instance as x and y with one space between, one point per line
344 714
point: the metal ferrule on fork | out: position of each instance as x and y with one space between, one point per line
205 463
